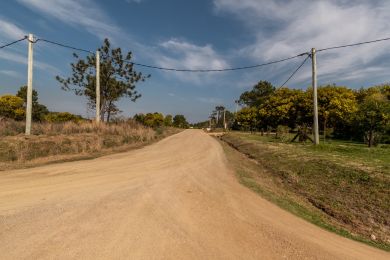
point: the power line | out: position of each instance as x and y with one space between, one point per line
295 71
64 45
12 43
205 70
176 69
353 44
216 70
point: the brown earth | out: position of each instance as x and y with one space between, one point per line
176 199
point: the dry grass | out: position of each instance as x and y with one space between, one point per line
13 128
62 141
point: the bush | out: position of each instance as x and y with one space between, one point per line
12 107
61 117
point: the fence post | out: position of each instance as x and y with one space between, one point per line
29 84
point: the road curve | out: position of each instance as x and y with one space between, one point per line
176 199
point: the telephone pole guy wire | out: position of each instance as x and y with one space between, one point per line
295 71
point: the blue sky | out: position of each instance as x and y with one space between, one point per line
192 35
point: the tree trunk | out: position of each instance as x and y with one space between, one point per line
325 119
109 111
102 109
370 137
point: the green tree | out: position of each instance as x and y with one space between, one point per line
247 119
373 116
259 93
219 115
180 121
118 79
140 118
288 107
168 120
12 107
38 110
336 106
154 119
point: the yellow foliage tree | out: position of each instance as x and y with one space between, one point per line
12 107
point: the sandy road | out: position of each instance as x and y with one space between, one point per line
176 199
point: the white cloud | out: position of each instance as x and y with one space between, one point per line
83 14
191 56
285 28
21 59
176 53
10 31
11 73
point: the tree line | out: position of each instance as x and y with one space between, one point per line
156 120
14 107
362 114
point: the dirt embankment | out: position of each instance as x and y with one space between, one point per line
75 142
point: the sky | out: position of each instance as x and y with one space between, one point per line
201 34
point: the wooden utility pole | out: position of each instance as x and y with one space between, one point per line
315 105
97 87
224 119
29 84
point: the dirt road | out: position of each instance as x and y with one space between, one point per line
176 199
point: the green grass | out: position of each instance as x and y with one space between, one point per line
302 211
343 197
337 150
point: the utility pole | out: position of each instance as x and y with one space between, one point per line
97 87
315 105
29 84
224 119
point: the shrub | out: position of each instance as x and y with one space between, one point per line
12 107
61 117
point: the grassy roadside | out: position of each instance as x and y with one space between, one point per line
70 142
350 201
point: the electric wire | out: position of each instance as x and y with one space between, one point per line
353 44
216 70
64 45
176 69
14 42
201 70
